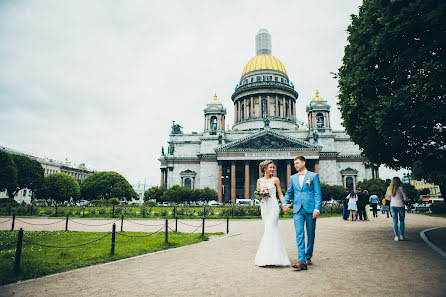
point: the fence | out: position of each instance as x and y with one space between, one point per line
113 233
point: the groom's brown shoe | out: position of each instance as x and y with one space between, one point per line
300 266
309 261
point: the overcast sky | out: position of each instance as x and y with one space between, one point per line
100 82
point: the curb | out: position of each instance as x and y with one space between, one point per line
430 243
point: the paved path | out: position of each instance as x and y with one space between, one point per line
351 259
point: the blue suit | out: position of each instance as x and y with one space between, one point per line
306 199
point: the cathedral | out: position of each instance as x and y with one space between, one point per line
265 127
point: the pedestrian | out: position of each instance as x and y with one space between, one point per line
345 205
385 208
363 198
395 193
352 204
368 214
374 202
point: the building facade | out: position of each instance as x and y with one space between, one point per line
78 172
265 127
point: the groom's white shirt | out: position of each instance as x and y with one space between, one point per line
301 178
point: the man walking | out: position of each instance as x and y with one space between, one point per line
306 189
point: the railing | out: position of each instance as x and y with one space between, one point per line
164 225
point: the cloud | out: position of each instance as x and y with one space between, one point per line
100 81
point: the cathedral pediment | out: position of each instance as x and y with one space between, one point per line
268 140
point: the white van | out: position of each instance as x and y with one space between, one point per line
247 202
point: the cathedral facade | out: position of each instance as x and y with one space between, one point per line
265 127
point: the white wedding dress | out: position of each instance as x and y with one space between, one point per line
271 249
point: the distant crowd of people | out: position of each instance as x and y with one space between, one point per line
355 206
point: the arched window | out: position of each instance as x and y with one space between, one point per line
187 183
320 122
349 182
214 123
264 108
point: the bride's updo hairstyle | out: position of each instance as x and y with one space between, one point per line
264 165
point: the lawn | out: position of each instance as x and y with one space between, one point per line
182 212
39 261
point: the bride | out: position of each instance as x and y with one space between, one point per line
271 250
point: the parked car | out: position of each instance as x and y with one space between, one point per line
247 202
214 203
166 204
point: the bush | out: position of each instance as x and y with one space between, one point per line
113 201
180 211
150 203
438 207
6 202
164 213
98 202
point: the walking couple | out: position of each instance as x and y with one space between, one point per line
305 188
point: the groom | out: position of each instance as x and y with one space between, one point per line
306 188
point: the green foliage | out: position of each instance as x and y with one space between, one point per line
150 203
412 194
60 187
431 167
424 191
329 192
37 262
438 208
8 174
374 186
392 91
113 201
98 202
29 173
154 193
105 185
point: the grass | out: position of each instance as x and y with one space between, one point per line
38 261
221 212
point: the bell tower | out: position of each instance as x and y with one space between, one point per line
214 117
319 114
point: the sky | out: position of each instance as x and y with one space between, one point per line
100 82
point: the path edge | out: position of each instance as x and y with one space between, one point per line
430 243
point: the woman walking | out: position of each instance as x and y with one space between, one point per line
395 193
352 204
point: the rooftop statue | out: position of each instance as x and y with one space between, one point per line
176 129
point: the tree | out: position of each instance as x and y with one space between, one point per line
392 90
331 192
60 187
29 173
8 173
154 193
374 186
431 167
106 185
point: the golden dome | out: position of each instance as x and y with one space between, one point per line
215 101
317 98
264 61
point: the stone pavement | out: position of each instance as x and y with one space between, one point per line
351 259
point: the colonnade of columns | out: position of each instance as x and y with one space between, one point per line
231 168
285 107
